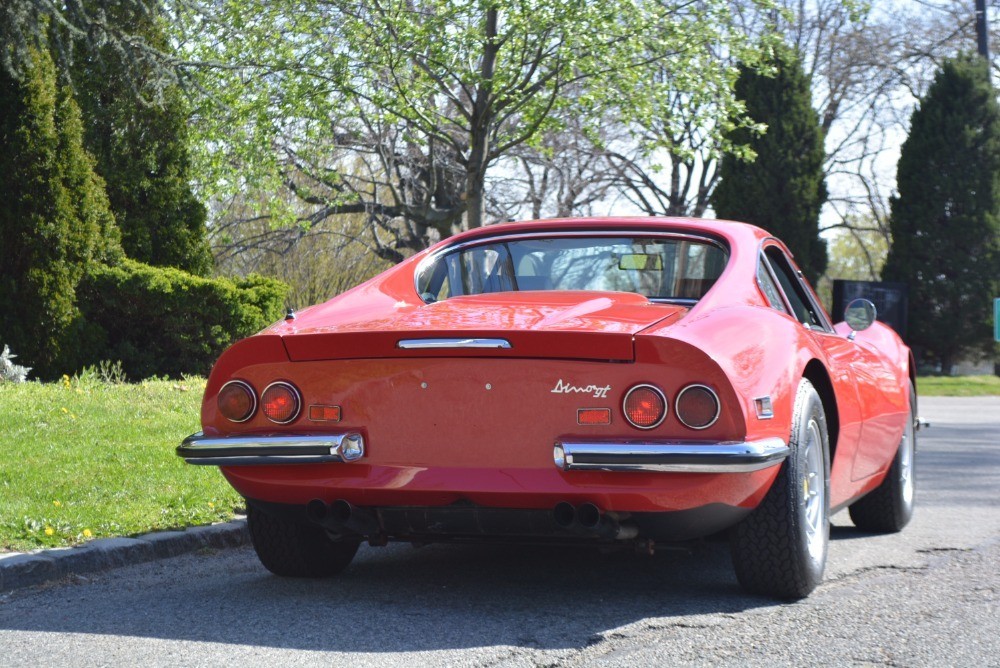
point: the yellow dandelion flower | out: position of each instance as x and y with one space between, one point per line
57 504
65 410
72 417
86 533
49 531
211 505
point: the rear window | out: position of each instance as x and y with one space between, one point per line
660 268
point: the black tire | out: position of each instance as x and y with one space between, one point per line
779 550
297 550
889 507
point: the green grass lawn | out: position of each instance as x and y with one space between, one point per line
958 386
83 459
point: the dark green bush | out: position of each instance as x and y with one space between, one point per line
54 222
164 321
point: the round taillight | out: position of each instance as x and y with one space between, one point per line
697 407
237 402
645 406
280 402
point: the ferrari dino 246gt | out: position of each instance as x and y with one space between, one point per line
627 381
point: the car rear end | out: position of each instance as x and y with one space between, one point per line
429 435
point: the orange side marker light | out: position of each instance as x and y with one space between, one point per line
591 416
319 413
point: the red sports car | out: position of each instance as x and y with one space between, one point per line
614 382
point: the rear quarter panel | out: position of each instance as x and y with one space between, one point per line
763 352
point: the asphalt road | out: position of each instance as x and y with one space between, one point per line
925 597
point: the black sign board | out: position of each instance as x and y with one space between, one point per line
890 300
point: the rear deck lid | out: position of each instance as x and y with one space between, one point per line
544 324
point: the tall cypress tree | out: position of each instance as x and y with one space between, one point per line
55 220
945 229
141 148
783 189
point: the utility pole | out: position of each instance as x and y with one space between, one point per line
982 33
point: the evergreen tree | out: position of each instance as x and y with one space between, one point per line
55 220
783 189
944 221
141 148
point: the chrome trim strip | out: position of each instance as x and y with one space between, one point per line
434 344
270 460
731 457
241 450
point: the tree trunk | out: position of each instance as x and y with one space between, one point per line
474 187
479 127
947 365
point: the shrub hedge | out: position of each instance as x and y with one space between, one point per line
164 321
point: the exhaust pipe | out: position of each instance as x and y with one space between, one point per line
341 511
591 520
353 518
341 515
589 515
564 514
316 511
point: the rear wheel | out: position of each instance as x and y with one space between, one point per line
297 550
779 549
889 507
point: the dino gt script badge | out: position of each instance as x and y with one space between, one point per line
597 391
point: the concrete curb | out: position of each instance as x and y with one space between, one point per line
18 570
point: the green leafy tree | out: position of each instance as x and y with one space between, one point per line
946 219
398 110
782 189
55 221
141 149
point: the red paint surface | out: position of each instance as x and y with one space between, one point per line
437 434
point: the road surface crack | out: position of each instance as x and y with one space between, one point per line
939 550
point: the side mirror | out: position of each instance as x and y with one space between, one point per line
859 316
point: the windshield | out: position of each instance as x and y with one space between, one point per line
659 268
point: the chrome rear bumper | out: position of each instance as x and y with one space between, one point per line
259 449
671 457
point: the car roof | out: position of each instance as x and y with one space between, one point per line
734 233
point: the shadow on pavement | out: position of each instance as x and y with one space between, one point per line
394 599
